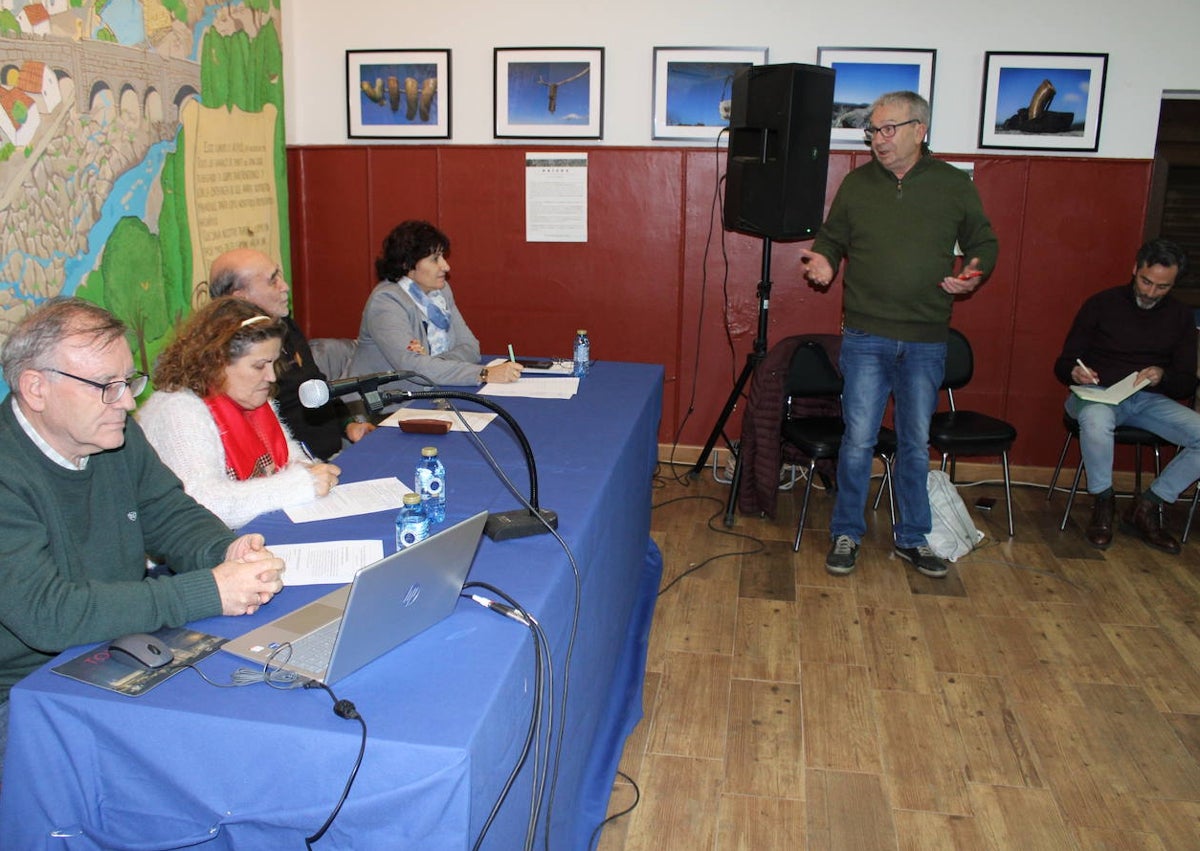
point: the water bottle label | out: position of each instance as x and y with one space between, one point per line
434 486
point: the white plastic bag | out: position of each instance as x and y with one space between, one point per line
953 534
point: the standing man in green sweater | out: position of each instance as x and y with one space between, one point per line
896 220
84 500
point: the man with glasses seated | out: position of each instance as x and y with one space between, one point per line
1136 327
896 222
84 500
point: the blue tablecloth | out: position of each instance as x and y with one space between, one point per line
255 768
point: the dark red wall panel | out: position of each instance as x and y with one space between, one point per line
660 281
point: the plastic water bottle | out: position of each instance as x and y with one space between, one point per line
412 523
431 484
583 353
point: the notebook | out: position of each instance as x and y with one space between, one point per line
388 603
1114 395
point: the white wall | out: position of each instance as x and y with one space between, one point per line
1152 47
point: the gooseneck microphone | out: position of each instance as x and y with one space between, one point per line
314 393
500 525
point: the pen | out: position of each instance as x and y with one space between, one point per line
1095 378
511 357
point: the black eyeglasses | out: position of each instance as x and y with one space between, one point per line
112 391
887 131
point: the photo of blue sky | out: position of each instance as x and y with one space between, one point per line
378 111
695 91
1017 85
862 82
529 92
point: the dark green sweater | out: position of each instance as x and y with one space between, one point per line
899 237
73 547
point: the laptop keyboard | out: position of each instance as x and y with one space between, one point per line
312 652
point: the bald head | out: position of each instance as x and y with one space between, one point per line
248 273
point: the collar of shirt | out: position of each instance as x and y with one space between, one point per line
47 450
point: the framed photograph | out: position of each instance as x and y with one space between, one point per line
693 89
398 94
549 92
1042 101
865 73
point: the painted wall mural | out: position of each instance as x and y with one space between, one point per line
138 140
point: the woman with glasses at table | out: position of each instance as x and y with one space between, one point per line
212 420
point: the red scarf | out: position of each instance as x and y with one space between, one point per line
254 441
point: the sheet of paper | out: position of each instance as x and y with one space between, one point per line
558 367
1113 395
556 197
534 388
352 499
326 562
478 420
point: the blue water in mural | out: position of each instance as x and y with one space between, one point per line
128 198
125 19
205 21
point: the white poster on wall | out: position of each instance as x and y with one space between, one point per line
556 199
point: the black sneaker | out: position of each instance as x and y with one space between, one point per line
923 559
842 555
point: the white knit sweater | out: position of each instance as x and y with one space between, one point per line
182 430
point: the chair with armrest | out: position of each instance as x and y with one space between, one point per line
956 433
811 374
333 355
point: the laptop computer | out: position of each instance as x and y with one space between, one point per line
388 603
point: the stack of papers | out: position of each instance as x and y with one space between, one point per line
351 500
534 388
326 562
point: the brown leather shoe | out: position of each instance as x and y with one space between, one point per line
1100 527
1143 517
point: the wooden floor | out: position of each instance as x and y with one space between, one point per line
1045 695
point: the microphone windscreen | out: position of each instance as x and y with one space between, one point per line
314 393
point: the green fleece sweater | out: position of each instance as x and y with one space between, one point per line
899 237
73 547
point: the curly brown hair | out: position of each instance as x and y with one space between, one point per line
408 244
213 337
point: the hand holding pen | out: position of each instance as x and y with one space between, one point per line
325 476
1081 374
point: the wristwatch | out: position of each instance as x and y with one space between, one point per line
483 376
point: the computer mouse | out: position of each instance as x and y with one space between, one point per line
140 651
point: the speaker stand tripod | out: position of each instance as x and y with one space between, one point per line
753 358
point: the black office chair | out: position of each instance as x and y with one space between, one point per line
1122 436
954 432
812 374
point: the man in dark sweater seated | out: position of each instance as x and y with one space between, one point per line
252 275
1136 328
84 500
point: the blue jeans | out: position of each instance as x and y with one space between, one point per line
1154 412
3 735
874 368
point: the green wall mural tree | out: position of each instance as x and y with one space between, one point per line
133 286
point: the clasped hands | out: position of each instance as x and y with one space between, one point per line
249 577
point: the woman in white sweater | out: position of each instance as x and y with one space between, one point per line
212 421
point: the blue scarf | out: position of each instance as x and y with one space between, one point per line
435 308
